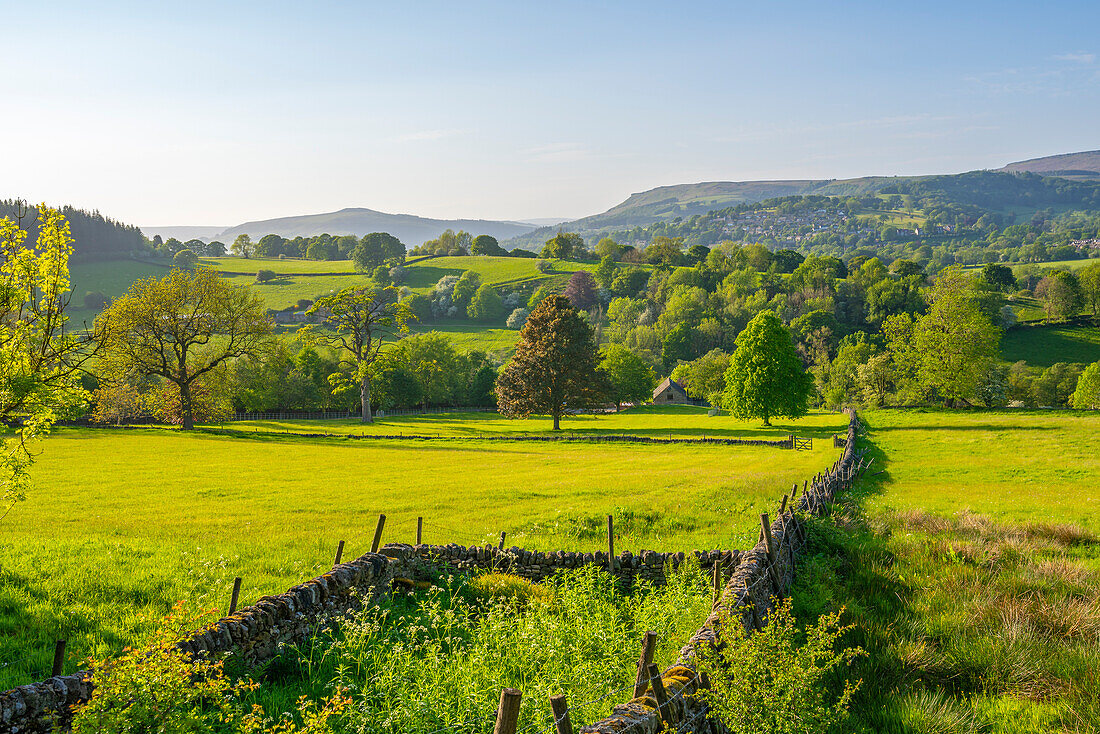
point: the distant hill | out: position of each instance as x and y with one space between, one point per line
987 189
684 200
184 233
410 229
1079 166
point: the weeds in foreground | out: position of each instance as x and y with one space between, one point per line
970 625
437 659
157 688
773 681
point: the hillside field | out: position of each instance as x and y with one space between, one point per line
1042 346
122 523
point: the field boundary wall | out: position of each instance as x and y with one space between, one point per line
258 632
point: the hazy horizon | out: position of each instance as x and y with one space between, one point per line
206 115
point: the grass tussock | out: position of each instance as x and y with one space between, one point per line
970 624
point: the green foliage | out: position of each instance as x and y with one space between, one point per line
358 321
1061 294
264 275
704 378
629 378
39 361
185 260
485 244
677 346
507 587
563 246
157 688
458 646
180 328
952 347
377 249
486 304
776 682
1087 393
465 288
554 367
765 377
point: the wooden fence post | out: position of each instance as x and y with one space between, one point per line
649 642
378 534
501 546
769 546
339 554
561 715
58 658
659 694
236 595
508 711
610 545
419 530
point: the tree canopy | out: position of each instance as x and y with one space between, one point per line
765 378
629 378
358 320
181 328
555 365
38 359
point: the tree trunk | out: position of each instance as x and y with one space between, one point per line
557 420
186 412
364 395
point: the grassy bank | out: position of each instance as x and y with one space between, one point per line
123 523
972 622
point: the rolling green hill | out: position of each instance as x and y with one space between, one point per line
1070 181
408 228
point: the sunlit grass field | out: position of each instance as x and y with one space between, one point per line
122 523
1013 465
968 564
300 279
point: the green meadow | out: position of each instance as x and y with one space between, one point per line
1012 465
1042 346
968 563
122 523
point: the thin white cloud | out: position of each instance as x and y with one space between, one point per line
1077 58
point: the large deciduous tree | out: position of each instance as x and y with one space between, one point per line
181 328
39 359
765 378
377 249
1087 394
629 378
563 246
954 344
358 320
555 365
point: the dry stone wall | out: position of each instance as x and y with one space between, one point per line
759 578
258 632
425 562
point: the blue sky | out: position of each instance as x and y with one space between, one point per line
213 114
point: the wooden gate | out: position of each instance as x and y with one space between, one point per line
803 444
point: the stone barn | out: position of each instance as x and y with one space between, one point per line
671 392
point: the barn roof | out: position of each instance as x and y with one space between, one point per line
670 384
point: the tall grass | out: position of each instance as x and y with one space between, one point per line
972 622
438 659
